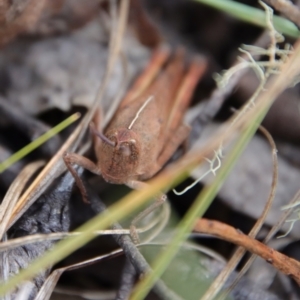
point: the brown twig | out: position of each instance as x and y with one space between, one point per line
283 263
269 236
287 8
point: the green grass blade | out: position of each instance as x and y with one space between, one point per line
38 142
253 15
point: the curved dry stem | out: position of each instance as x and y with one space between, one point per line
283 263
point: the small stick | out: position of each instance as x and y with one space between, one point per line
127 281
283 263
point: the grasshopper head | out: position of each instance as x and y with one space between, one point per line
119 156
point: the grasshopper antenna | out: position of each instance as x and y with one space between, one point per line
101 136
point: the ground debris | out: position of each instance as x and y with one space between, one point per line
50 213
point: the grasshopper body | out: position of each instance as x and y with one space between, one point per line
147 128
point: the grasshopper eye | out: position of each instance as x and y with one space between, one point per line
125 148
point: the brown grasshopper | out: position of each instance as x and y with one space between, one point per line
147 128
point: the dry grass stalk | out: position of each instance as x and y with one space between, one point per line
12 196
